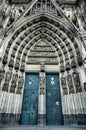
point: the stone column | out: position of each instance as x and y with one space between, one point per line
42 100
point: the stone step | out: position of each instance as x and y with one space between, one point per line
42 128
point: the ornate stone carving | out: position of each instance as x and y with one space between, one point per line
73 63
20 82
8 76
5 87
42 81
64 85
20 85
67 66
79 59
77 81
14 79
11 62
13 83
70 83
2 71
9 14
62 69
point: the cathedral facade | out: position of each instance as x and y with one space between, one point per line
43 62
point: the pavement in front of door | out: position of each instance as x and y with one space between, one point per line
42 127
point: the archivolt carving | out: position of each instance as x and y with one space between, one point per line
7 80
13 83
8 76
73 63
62 68
5 87
2 71
14 79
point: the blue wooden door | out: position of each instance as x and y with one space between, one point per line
30 100
53 100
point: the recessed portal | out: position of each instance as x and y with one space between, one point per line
31 97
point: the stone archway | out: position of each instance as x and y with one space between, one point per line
21 42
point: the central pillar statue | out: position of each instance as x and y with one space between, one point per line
42 100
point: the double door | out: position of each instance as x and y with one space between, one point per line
30 100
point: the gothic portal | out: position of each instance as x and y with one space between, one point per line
43 62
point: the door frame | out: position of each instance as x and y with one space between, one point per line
52 69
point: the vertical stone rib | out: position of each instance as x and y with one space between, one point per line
42 101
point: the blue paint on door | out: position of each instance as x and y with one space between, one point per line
53 100
30 100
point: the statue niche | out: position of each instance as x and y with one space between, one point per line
64 85
77 81
70 83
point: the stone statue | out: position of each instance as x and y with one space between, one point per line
14 79
70 83
64 85
20 82
77 81
8 76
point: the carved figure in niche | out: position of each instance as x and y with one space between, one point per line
20 83
70 83
2 71
5 87
14 79
77 81
12 89
19 91
8 76
62 68
64 86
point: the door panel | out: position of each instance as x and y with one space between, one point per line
30 100
53 100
